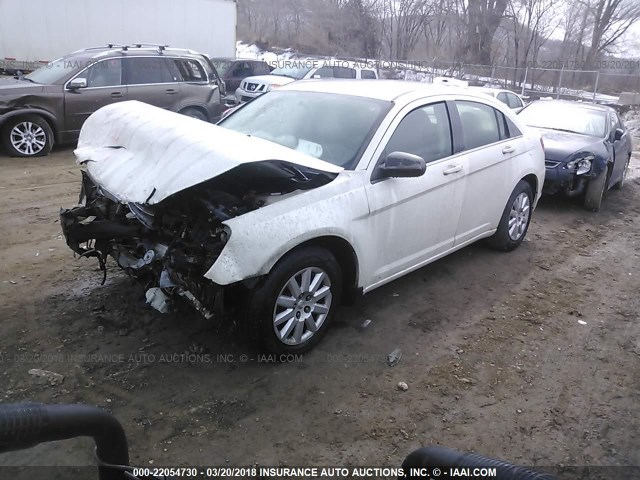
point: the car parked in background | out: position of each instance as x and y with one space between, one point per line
510 99
293 70
309 194
234 70
51 104
587 148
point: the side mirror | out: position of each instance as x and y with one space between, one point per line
617 135
401 165
77 83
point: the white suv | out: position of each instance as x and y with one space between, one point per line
291 71
302 197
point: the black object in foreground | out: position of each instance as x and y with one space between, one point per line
26 425
443 457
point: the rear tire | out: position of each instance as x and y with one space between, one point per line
27 136
595 191
515 219
281 321
195 113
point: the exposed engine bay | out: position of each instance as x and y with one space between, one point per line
169 246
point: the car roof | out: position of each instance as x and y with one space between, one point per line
573 103
388 90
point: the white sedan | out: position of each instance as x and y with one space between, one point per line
304 197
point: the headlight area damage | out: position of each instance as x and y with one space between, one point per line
169 246
158 188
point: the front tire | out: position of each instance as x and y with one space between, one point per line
515 219
292 308
194 113
595 191
27 136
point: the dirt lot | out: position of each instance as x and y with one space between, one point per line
532 356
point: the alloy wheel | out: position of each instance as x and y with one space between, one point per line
519 216
302 306
28 138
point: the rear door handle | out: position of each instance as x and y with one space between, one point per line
171 91
116 95
508 149
453 169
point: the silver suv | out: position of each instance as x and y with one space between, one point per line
50 104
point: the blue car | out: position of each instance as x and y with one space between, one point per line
587 148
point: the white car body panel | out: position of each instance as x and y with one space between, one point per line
381 226
160 153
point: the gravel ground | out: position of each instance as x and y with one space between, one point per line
531 356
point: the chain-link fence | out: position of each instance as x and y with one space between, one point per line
533 83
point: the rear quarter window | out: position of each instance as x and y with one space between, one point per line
368 74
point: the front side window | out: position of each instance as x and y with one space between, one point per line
344 72
479 124
425 131
107 73
333 128
143 71
324 72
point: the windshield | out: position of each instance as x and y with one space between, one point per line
54 71
333 128
566 118
294 72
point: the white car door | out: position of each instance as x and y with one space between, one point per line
413 220
491 144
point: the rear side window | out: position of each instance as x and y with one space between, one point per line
479 124
344 72
190 70
107 73
142 71
368 74
425 131
503 98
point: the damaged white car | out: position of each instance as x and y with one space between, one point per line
304 197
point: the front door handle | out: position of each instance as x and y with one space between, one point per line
508 149
116 95
452 169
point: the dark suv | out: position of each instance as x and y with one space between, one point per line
50 104
233 71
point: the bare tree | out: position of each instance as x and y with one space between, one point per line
611 20
483 18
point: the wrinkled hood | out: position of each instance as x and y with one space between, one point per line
144 154
12 86
559 146
269 79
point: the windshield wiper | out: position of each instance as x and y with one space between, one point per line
24 78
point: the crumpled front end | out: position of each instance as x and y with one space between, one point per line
168 246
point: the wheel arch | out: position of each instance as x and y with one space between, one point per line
45 115
345 255
532 180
